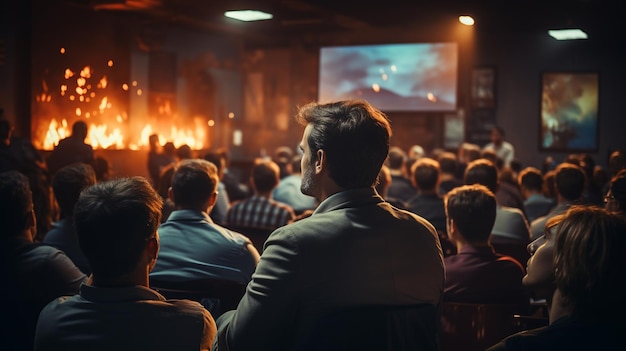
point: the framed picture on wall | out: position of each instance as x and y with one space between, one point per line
483 88
569 111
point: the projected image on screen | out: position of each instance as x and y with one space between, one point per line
393 77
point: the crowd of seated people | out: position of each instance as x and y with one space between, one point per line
473 246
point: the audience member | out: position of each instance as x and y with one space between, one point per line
400 187
46 208
615 199
260 211
102 167
587 269
467 152
237 190
116 223
477 274
569 181
71 149
17 153
222 204
157 159
193 247
503 149
536 204
283 156
427 202
592 195
8 158
288 189
449 166
354 250
67 184
382 188
510 224
32 274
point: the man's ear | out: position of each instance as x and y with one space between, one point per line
170 193
153 248
320 161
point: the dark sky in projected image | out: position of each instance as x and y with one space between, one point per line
405 74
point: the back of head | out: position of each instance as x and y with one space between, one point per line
482 171
531 178
426 174
617 190
473 209
68 182
218 160
79 130
283 156
617 162
16 203
355 137
397 158
193 183
570 181
265 175
590 247
184 152
448 162
114 220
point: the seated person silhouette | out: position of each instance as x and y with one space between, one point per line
193 247
32 274
477 273
67 184
587 269
116 223
71 149
355 251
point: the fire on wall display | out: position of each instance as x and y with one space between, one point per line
393 77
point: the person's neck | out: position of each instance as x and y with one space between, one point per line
265 194
137 277
558 309
428 192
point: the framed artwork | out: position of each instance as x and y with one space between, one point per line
483 88
569 112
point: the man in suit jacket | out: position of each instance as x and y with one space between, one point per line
354 250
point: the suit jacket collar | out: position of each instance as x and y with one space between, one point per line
348 199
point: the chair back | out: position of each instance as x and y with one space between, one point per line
475 327
216 295
377 327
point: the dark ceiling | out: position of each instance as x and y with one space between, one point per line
299 18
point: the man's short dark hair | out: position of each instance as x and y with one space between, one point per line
397 158
473 209
265 175
482 171
355 137
570 181
68 182
448 162
114 220
426 173
193 183
531 179
16 203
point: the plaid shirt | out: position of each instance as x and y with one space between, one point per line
259 212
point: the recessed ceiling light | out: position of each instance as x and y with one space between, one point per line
466 20
567 34
248 15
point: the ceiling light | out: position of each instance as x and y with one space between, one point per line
466 20
567 34
248 15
